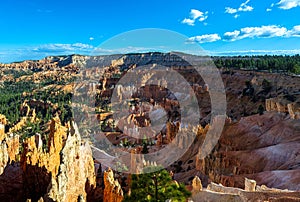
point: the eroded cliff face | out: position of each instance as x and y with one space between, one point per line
283 105
265 148
75 171
218 192
68 164
112 191
9 146
63 171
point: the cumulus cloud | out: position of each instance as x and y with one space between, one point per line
295 32
195 15
288 4
229 36
230 10
187 21
256 32
244 7
268 31
205 38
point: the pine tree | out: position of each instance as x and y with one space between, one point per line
156 186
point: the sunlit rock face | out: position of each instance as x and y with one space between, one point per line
260 147
218 192
112 191
282 105
62 172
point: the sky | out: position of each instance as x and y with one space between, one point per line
33 29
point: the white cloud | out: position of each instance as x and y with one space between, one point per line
230 10
270 9
92 38
243 8
263 31
230 36
63 48
187 21
204 17
288 4
41 51
125 50
269 31
205 38
295 32
236 16
195 15
256 32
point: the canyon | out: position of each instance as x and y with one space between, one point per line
256 157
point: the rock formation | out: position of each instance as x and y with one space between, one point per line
218 192
250 185
112 191
2 127
260 147
64 171
197 185
76 171
9 145
284 106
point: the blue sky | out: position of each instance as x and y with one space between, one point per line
34 29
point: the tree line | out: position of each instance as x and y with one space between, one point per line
280 63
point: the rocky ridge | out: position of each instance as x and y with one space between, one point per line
63 172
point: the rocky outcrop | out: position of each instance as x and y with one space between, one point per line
294 110
33 153
3 146
218 192
76 170
4 158
2 126
284 106
63 170
197 185
250 185
259 147
275 104
66 168
9 146
112 191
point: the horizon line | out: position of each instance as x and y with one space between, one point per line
243 53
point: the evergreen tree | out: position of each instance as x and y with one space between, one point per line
156 186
